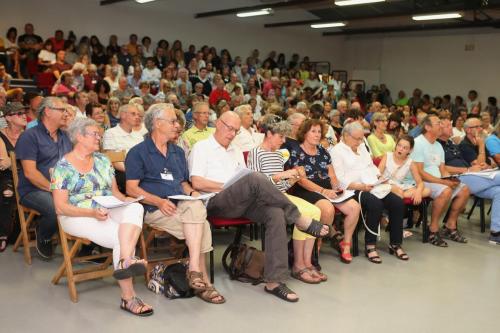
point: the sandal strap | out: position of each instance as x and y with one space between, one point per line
134 303
370 250
435 239
283 290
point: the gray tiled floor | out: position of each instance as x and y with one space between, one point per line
439 290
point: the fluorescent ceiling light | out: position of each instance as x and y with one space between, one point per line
436 17
265 11
328 25
355 2
143 1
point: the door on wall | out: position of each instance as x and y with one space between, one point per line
370 76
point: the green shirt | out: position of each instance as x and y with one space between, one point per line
194 135
82 187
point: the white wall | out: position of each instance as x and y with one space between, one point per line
172 19
436 63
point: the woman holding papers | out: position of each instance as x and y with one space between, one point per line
267 159
77 177
356 171
321 186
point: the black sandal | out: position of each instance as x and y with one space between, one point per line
282 291
373 259
315 227
134 303
436 240
393 249
454 235
133 269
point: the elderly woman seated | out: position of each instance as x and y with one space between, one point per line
355 170
82 174
266 158
321 185
380 142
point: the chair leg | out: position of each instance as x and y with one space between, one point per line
211 265
144 253
26 240
68 266
472 208
489 210
482 217
425 226
263 237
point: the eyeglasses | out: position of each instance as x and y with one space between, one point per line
58 109
477 126
231 128
357 139
170 121
19 113
96 135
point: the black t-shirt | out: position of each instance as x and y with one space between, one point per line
29 40
470 151
453 155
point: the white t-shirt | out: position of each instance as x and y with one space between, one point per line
208 159
117 139
47 56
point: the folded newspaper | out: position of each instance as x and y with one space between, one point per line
342 197
109 201
490 173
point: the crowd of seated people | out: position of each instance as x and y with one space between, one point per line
185 121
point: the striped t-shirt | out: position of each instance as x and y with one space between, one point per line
268 163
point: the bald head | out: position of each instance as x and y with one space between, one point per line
227 127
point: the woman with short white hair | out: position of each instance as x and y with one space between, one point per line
78 177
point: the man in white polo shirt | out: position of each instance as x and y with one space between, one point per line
216 160
123 138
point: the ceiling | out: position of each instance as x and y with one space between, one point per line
384 17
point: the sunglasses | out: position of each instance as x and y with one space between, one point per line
18 113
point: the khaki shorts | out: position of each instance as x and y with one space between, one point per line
188 212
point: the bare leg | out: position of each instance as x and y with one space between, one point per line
193 233
327 211
438 206
457 206
397 191
351 209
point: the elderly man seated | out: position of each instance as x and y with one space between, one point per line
123 138
200 130
456 163
157 169
212 163
39 148
429 157
248 138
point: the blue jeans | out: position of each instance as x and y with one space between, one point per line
47 221
488 189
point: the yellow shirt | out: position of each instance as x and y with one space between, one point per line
194 135
379 148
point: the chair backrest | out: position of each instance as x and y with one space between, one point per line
115 156
15 175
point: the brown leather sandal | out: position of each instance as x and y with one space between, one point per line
195 280
299 275
321 276
210 294
136 306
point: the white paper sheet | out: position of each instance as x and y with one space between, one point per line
109 201
189 198
240 173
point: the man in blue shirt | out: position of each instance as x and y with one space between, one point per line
493 144
156 169
39 148
481 186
